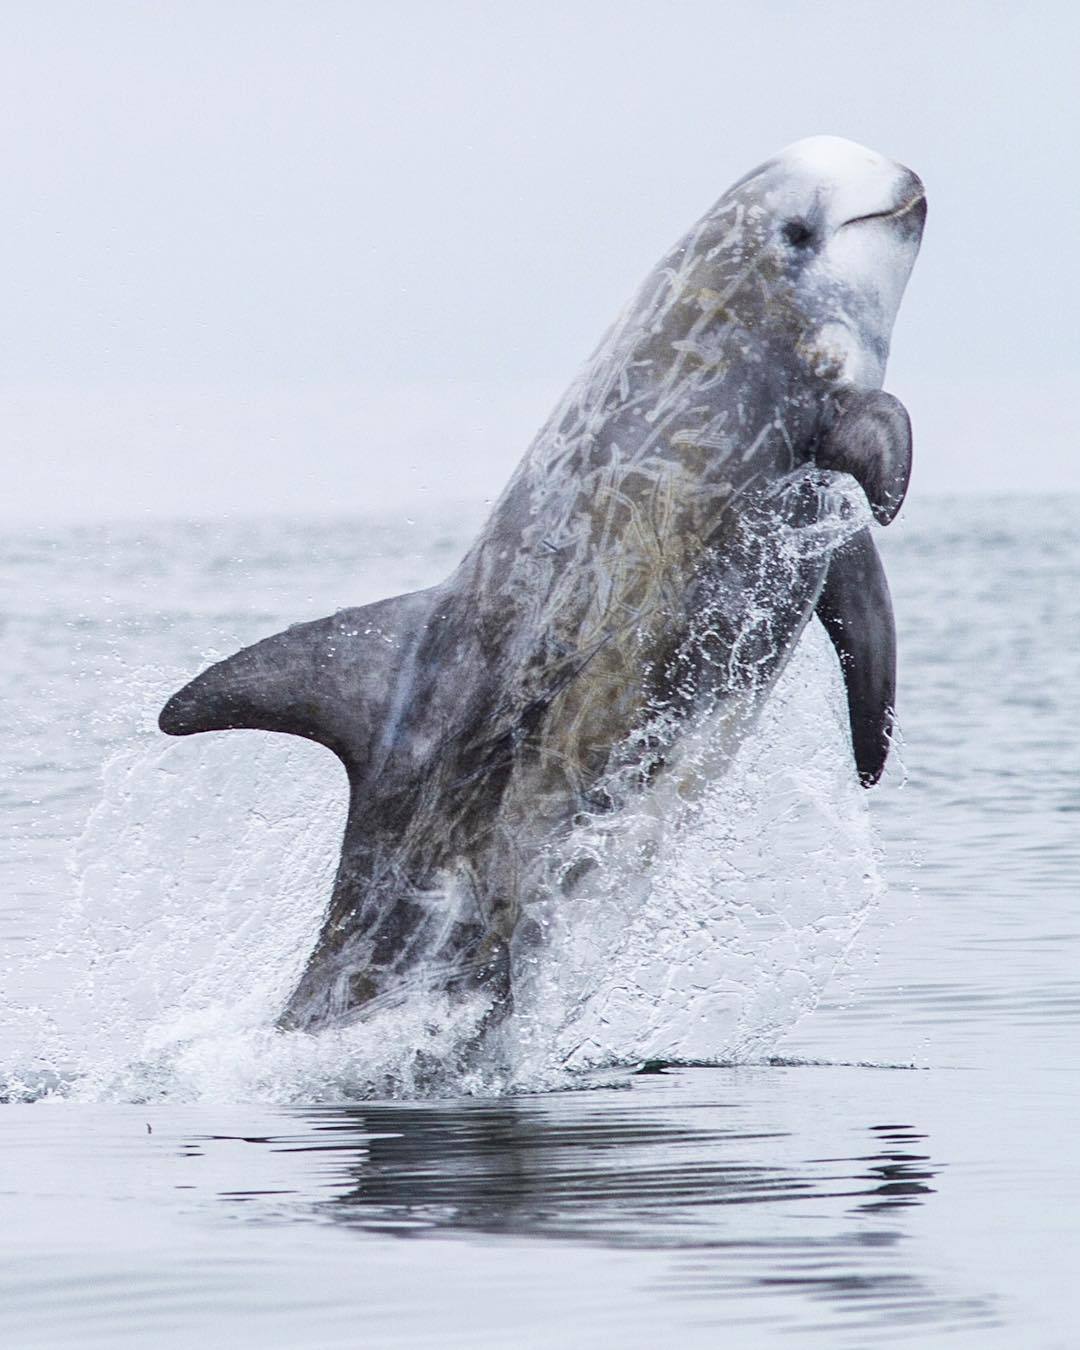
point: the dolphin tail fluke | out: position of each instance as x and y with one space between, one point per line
329 681
856 609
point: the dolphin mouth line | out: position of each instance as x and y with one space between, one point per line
893 213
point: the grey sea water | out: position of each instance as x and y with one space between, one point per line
883 990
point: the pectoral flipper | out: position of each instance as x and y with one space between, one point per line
856 609
871 440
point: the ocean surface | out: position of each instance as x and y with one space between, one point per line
870 1002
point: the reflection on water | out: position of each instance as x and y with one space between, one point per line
617 1176
739 1202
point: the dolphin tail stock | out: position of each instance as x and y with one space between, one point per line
332 681
856 609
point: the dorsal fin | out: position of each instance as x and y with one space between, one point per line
331 681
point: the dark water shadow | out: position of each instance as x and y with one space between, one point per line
611 1173
737 1204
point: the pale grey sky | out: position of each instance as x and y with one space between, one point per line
266 255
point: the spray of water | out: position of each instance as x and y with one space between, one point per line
695 923
704 941
201 875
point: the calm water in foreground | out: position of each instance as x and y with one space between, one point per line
901 1165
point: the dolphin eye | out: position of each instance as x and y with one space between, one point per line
798 232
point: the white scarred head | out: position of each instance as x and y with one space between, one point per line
844 225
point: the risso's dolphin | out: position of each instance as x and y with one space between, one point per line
647 571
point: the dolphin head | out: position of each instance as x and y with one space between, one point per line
838 228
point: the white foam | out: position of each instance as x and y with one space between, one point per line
202 874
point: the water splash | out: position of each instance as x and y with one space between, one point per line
201 876
754 891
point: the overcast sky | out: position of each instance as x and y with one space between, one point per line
263 256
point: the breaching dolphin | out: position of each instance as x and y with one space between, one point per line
648 569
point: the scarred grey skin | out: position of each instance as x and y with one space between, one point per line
648 569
